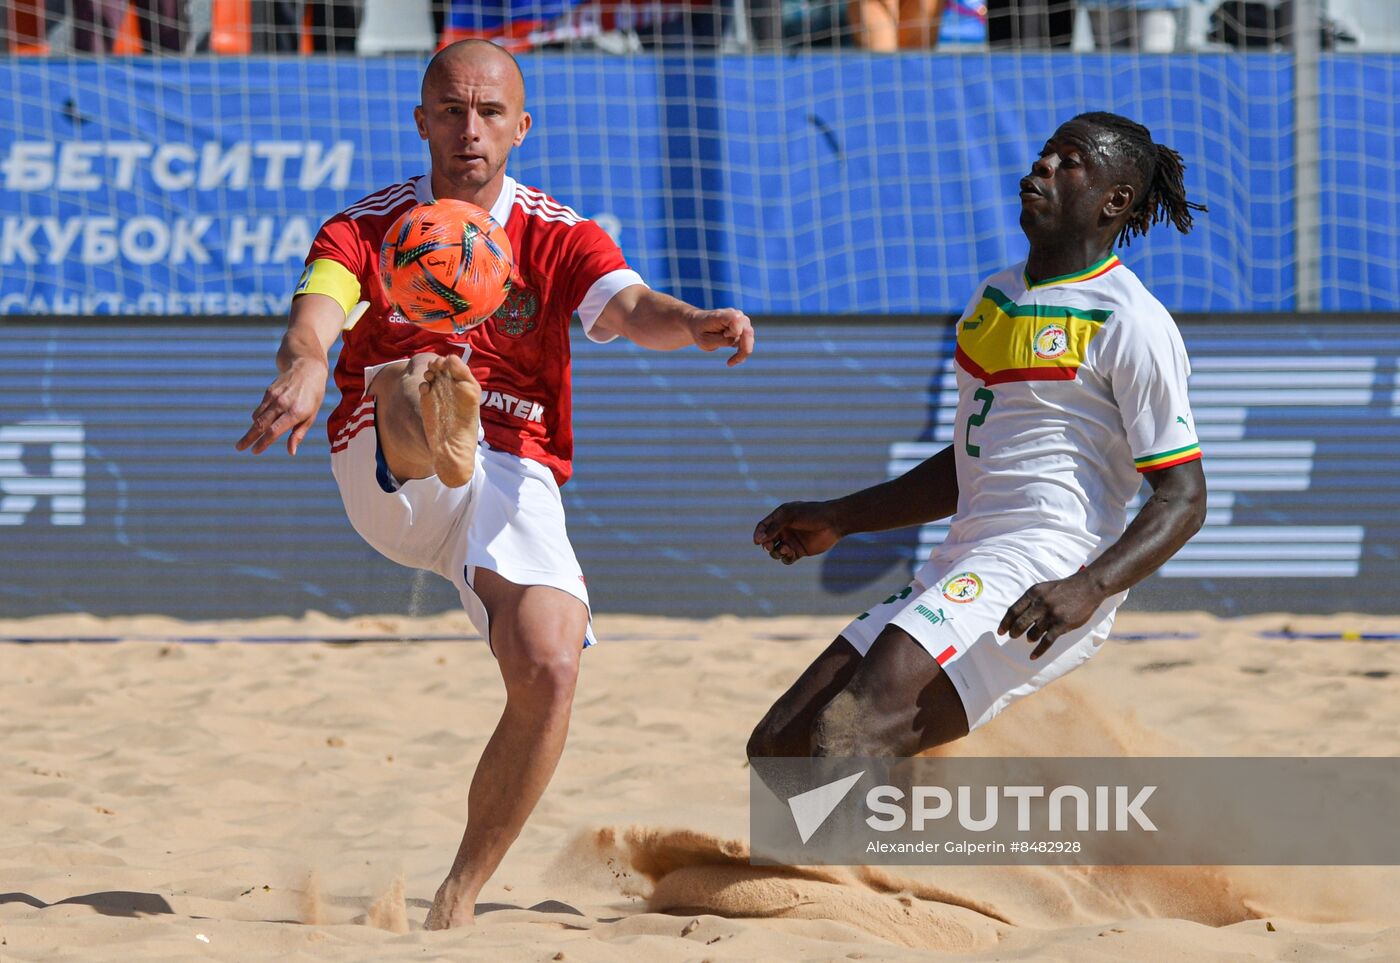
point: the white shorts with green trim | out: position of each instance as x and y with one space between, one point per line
509 519
953 609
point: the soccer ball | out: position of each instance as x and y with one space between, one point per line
446 266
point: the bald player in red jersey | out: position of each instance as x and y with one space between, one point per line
448 452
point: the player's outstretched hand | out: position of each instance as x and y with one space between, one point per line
1047 610
724 328
291 402
796 530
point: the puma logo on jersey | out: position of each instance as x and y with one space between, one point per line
936 616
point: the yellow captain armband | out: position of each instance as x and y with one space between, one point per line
334 280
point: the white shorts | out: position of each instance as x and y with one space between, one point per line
953 609
508 519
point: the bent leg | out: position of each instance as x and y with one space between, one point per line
1158 30
920 22
785 729
875 24
898 702
537 634
427 415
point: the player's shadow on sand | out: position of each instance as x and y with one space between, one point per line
109 903
115 903
548 906
132 905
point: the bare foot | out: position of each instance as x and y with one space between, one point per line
449 912
451 402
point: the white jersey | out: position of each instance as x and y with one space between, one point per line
1068 389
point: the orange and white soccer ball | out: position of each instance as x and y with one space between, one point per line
446 265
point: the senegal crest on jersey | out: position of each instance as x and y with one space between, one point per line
962 588
516 316
1051 342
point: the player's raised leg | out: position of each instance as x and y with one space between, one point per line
537 634
786 729
427 413
898 702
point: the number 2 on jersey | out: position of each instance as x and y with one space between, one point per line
986 397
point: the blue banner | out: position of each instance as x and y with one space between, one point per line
816 183
120 491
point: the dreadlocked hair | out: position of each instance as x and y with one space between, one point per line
1163 197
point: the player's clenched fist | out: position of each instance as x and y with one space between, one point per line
798 529
724 328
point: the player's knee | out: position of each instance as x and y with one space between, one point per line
777 735
839 731
764 742
544 680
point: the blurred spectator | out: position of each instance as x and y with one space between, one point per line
888 25
807 23
96 24
676 25
1151 26
1255 23
514 24
1148 25
824 23
521 25
1030 23
771 23
278 24
27 25
440 9
1243 24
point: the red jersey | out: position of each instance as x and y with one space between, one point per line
563 262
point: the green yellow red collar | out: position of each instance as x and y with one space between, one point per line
1088 274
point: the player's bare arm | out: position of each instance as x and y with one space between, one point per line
1174 513
294 397
925 493
658 321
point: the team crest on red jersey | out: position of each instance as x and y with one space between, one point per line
516 316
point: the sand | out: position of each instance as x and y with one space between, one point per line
239 801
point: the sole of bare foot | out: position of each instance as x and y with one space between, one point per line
451 401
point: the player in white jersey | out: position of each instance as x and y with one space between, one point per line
1071 388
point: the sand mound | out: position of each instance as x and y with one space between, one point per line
691 872
683 871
